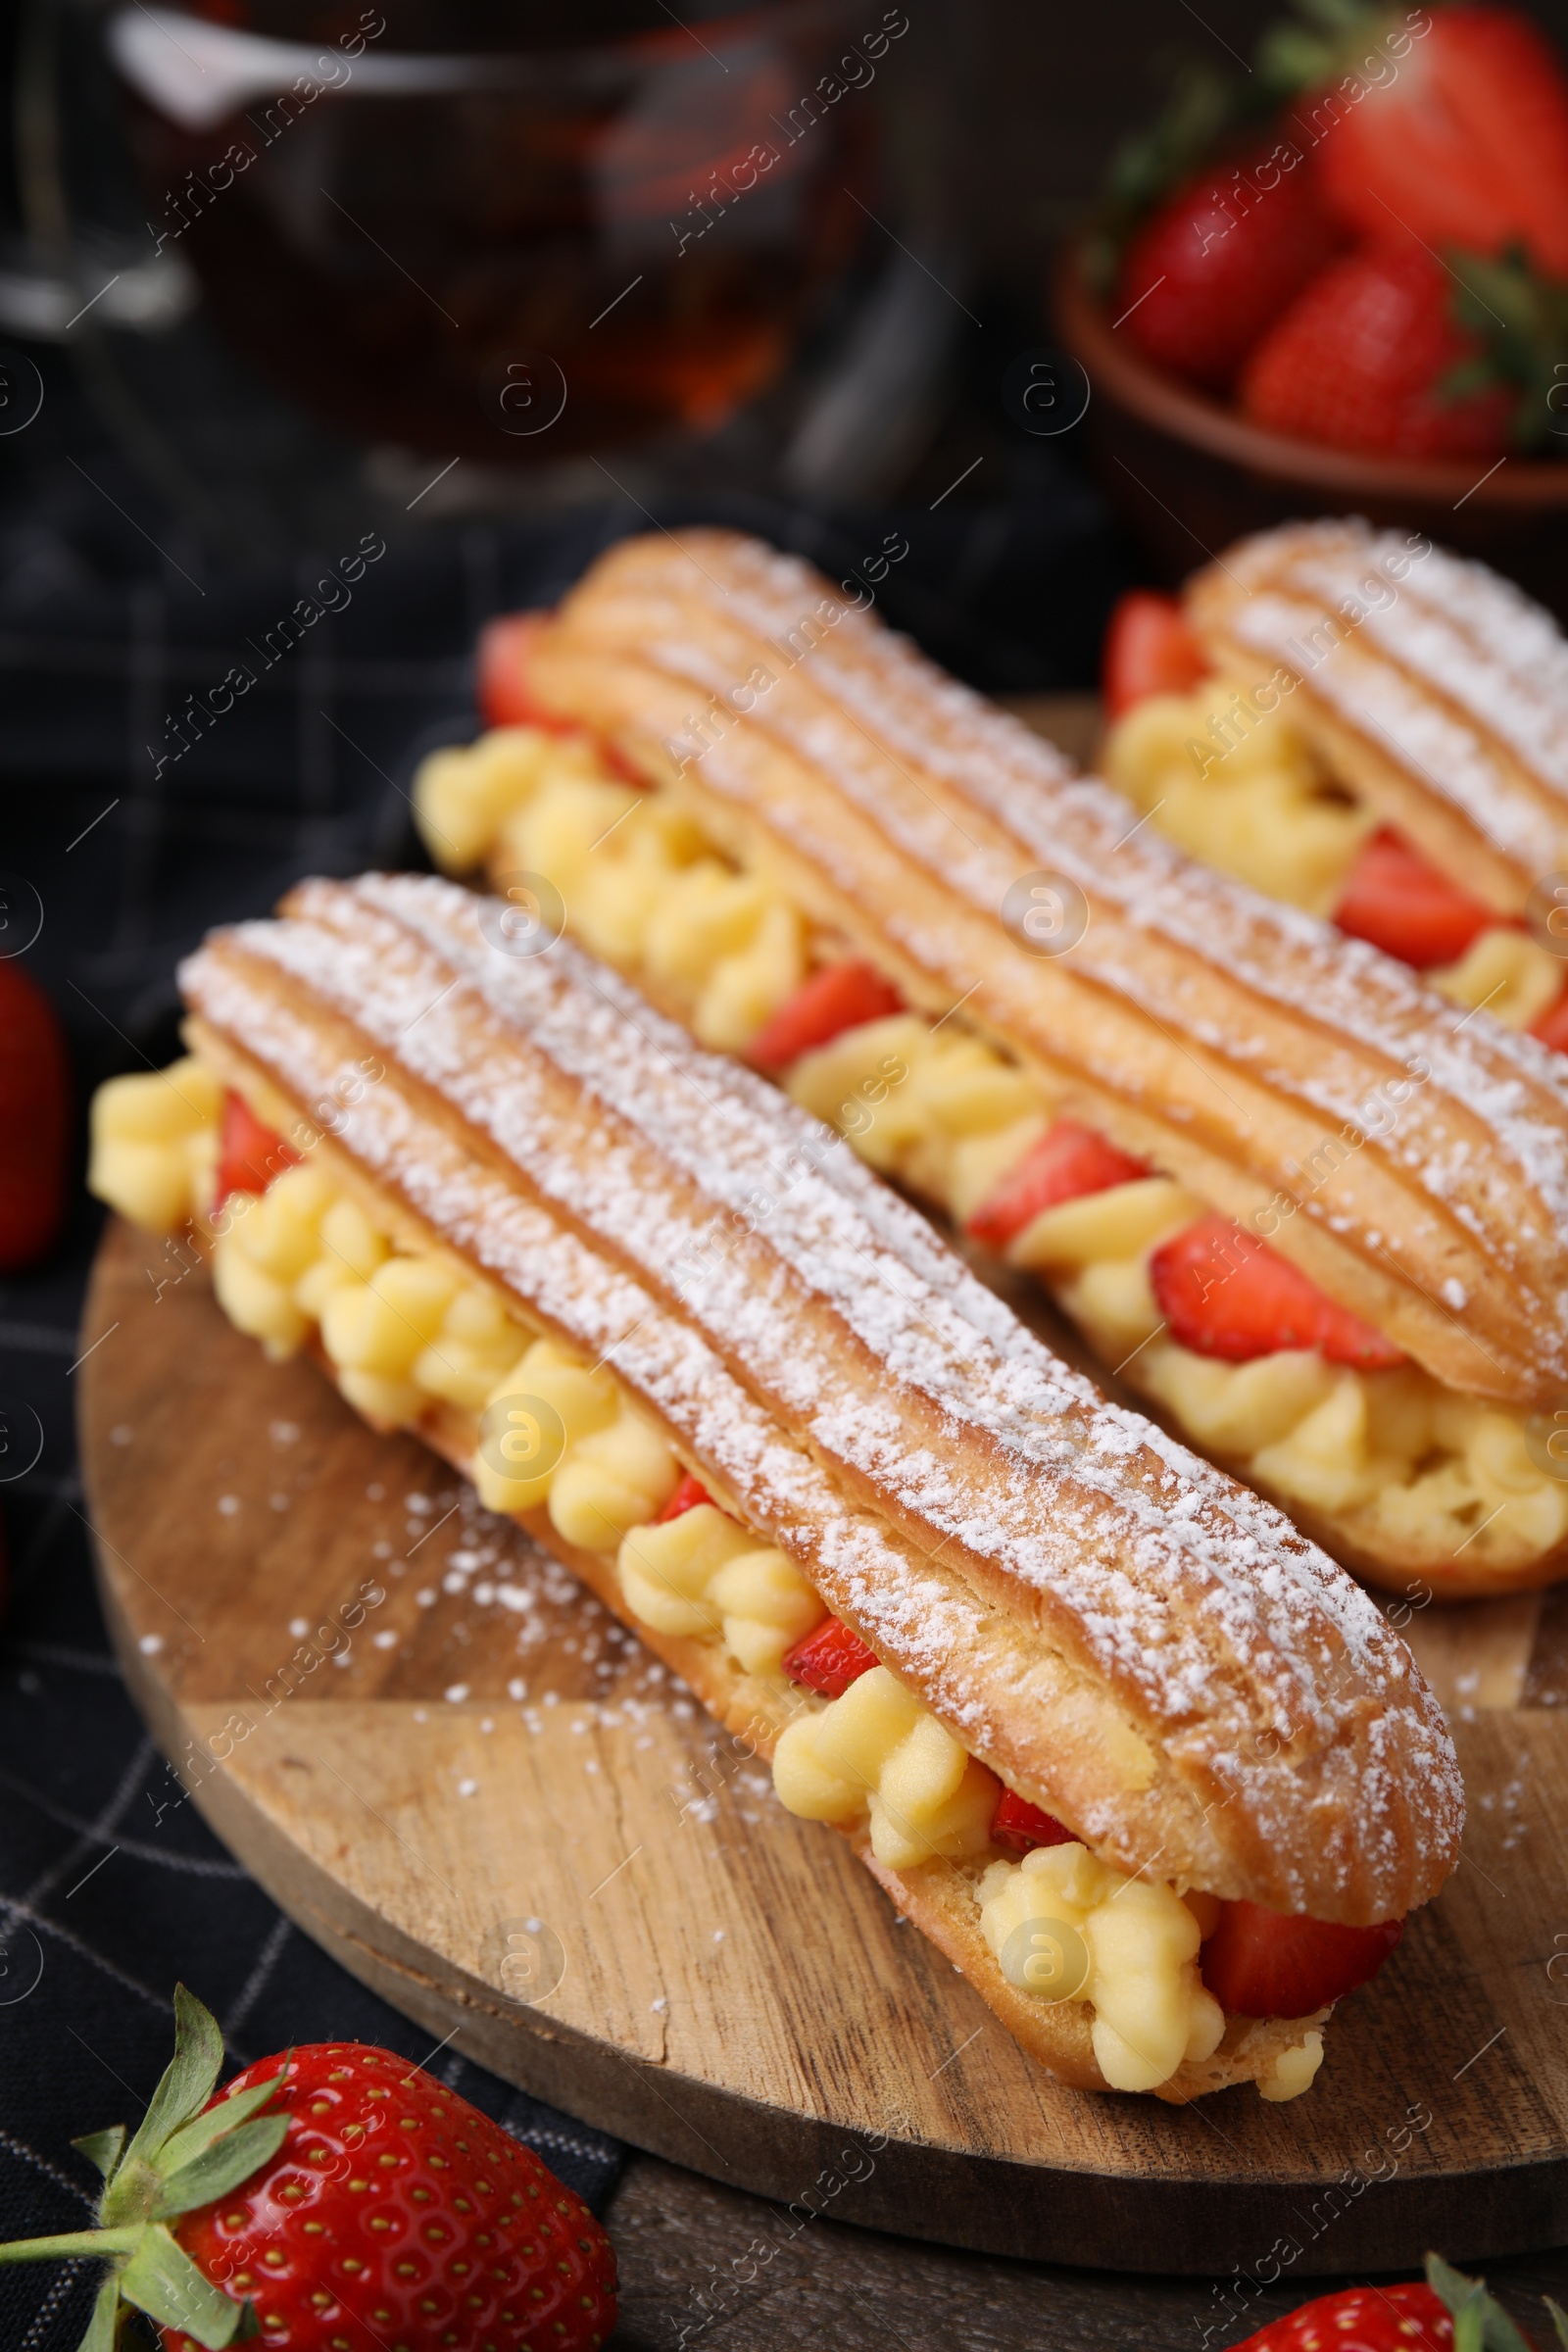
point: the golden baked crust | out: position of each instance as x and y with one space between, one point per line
539 1122
1435 687
1045 1571
1228 1038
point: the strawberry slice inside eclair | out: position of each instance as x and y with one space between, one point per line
1397 901
1255 1962
1067 1162
840 996
1224 1293
501 679
249 1154
1259 1962
1148 650
505 695
687 1496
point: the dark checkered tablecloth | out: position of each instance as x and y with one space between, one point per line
109 1893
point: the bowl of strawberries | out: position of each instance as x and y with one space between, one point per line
1340 284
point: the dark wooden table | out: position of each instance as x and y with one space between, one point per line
692 2275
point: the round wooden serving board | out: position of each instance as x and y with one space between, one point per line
462 1777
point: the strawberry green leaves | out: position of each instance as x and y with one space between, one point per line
221 2167
1521 318
217 2150
1480 2325
189 2078
182 2155
102 2149
102 2328
162 2280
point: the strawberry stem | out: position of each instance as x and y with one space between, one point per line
1521 316
72 2244
183 2154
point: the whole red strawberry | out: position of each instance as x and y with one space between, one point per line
1407 2318
1219 260
34 1119
1450 2313
333 2199
1466 142
1359 360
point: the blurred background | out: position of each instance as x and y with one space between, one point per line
327 330
265 260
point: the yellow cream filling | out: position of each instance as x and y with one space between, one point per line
1065 1927
406 1330
1404 1462
875 1758
153 1144
641 885
1265 809
704 1575
1262 809
1061 1924
1293 2070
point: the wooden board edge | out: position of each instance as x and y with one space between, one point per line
990 2204
811 2164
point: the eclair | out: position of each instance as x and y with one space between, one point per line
1293 1198
1384 740
1143 1762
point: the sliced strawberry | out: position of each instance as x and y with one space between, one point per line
1023 1826
840 996
1360 361
1466 145
687 1495
507 699
502 672
1224 1293
1215 266
1552 1027
830 1659
1405 905
1066 1162
1148 650
1261 1963
249 1154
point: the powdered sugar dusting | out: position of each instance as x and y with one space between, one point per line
1399 713
1187 1592
970 796
1471 640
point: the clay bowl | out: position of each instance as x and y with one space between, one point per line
1189 474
